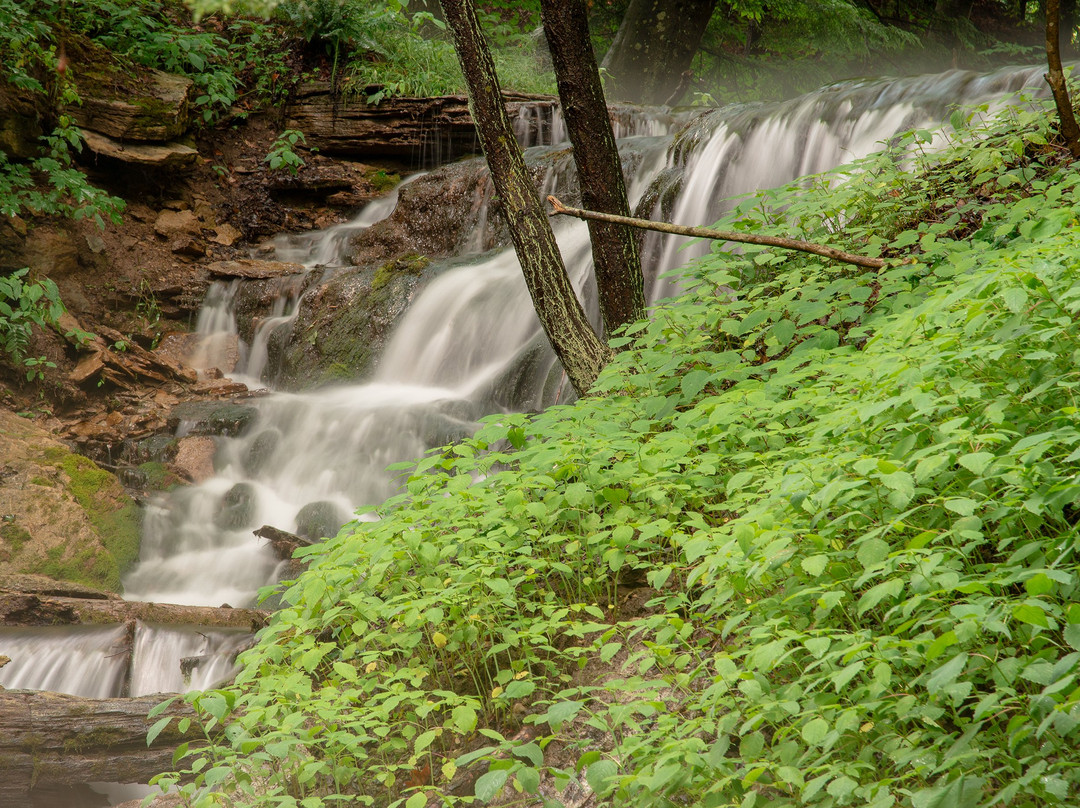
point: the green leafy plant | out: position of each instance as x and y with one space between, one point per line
811 543
24 304
282 154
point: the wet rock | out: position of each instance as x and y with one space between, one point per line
319 520
237 507
434 216
211 418
253 268
171 156
261 451
155 449
342 326
194 460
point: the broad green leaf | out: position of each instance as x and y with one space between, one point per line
490 784
814 565
815 730
562 711
598 773
975 462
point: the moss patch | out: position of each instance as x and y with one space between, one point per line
409 264
111 511
14 536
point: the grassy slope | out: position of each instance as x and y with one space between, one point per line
813 544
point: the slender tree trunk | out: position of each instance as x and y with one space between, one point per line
1056 78
580 350
603 187
654 46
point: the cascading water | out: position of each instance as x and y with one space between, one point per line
468 345
327 449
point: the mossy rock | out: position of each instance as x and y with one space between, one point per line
63 515
342 327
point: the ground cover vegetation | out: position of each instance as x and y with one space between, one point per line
811 542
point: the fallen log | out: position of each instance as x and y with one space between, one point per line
30 609
52 739
558 208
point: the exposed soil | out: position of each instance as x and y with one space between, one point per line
145 278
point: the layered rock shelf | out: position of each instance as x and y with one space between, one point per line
428 131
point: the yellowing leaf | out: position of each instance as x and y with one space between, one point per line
439 639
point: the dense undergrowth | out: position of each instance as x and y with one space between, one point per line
847 501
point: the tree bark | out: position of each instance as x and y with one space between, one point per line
1056 79
30 609
51 739
580 350
654 46
615 253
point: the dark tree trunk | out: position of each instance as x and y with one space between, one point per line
1056 78
600 176
580 350
1068 26
653 47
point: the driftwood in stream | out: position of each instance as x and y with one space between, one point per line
720 235
52 739
283 542
31 609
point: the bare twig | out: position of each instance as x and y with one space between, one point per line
721 235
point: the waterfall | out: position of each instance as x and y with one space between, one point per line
469 345
79 660
460 339
118 660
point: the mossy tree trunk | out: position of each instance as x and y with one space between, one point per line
603 187
577 345
1056 78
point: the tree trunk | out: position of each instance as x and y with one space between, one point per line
1056 78
600 177
1068 26
580 350
51 739
30 609
654 46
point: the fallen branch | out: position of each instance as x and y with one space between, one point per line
720 235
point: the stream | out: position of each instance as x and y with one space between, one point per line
468 345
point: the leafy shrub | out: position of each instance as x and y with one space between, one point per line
849 499
282 154
24 304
